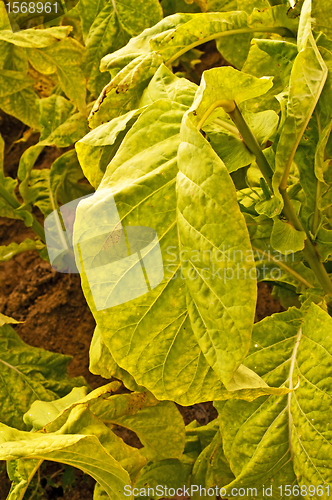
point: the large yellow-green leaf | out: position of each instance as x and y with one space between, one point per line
169 40
307 79
29 373
158 425
65 59
102 363
285 439
107 26
75 446
150 336
225 84
270 58
142 177
124 91
220 279
140 45
208 26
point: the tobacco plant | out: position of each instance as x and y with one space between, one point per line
233 175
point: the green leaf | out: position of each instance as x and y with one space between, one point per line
321 13
29 373
211 467
21 472
172 472
160 429
140 45
250 5
221 5
124 91
64 176
42 413
140 175
306 83
4 19
96 149
107 26
270 208
7 320
273 58
229 148
9 251
74 449
6 208
102 363
208 26
51 416
263 124
285 238
221 324
23 106
225 84
65 59
165 85
285 439
78 419
171 7
198 29
158 425
33 38
12 82
60 126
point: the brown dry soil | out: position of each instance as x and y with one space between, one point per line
55 314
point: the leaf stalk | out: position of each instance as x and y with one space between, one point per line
309 250
252 144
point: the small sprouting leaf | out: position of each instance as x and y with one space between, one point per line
285 238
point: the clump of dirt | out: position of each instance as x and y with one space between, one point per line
266 304
52 306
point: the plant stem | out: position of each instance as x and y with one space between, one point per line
315 221
227 126
252 144
309 250
13 202
286 268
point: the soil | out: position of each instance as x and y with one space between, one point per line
55 314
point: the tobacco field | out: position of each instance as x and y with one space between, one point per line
165 249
